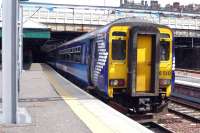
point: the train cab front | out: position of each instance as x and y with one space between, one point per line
134 67
166 63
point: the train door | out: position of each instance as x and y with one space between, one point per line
143 61
143 67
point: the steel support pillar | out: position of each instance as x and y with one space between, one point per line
9 82
21 39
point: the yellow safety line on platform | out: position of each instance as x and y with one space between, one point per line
92 122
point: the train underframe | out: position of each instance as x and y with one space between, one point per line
142 104
132 104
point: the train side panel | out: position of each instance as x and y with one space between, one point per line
99 62
72 59
87 60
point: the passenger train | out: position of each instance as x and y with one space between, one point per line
129 60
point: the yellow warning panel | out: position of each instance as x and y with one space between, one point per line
143 73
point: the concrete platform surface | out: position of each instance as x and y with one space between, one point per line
99 117
58 106
49 113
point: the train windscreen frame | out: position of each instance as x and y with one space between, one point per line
118 49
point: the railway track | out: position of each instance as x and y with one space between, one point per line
157 128
184 106
183 116
185 111
185 102
146 120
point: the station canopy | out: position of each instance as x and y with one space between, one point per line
33 30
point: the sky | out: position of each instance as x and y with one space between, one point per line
111 2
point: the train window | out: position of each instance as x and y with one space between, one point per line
60 56
118 49
70 57
164 36
117 33
164 51
73 50
77 57
79 49
74 54
71 54
67 56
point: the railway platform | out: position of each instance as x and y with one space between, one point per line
58 106
187 85
188 77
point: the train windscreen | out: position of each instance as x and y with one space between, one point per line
164 50
118 49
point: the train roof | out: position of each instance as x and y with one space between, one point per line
121 21
131 21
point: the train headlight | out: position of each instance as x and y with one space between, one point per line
117 82
164 82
